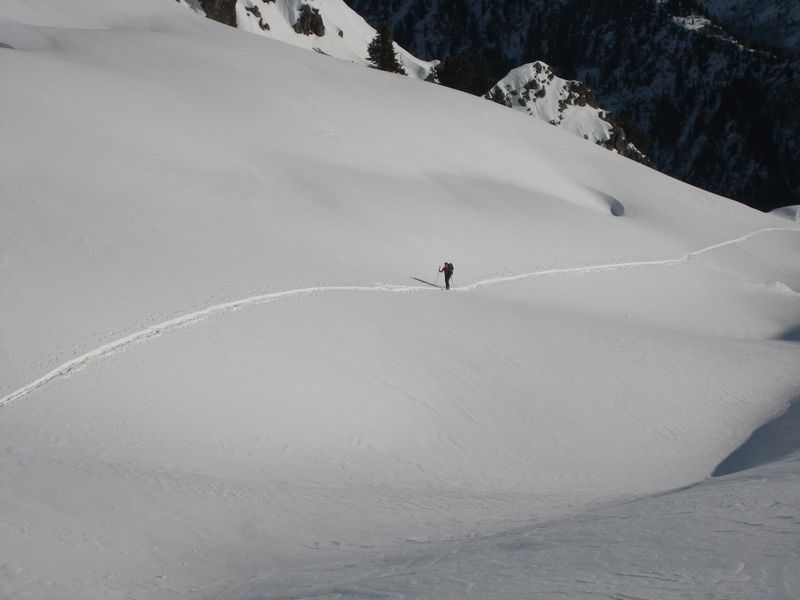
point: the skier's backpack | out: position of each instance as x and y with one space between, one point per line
448 268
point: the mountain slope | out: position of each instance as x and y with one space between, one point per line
219 379
703 107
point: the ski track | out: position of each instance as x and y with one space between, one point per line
84 360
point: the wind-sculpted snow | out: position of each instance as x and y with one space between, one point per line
712 540
772 442
791 213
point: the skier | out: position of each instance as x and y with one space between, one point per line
447 269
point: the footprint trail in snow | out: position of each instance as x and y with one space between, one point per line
88 358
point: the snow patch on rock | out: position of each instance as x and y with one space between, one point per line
693 22
324 26
537 91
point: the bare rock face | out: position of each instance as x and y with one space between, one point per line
256 12
223 11
310 22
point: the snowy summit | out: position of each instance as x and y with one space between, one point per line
229 369
535 90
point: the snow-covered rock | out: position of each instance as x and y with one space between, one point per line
325 26
535 90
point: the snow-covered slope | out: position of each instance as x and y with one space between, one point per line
535 90
325 26
219 379
788 212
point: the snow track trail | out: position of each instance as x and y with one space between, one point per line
78 363
624 265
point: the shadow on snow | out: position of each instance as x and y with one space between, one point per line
426 282
769 443
791 335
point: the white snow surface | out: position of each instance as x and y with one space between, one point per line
219 379
347 34
791 213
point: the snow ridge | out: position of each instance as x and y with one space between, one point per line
78 363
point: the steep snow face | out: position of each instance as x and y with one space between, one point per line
535 90
218 379
772 22
325 26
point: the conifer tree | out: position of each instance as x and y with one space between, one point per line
380 51
456 72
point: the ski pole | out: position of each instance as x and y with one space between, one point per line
437 277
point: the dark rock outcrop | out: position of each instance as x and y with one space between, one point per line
310 22
253 10
223 11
